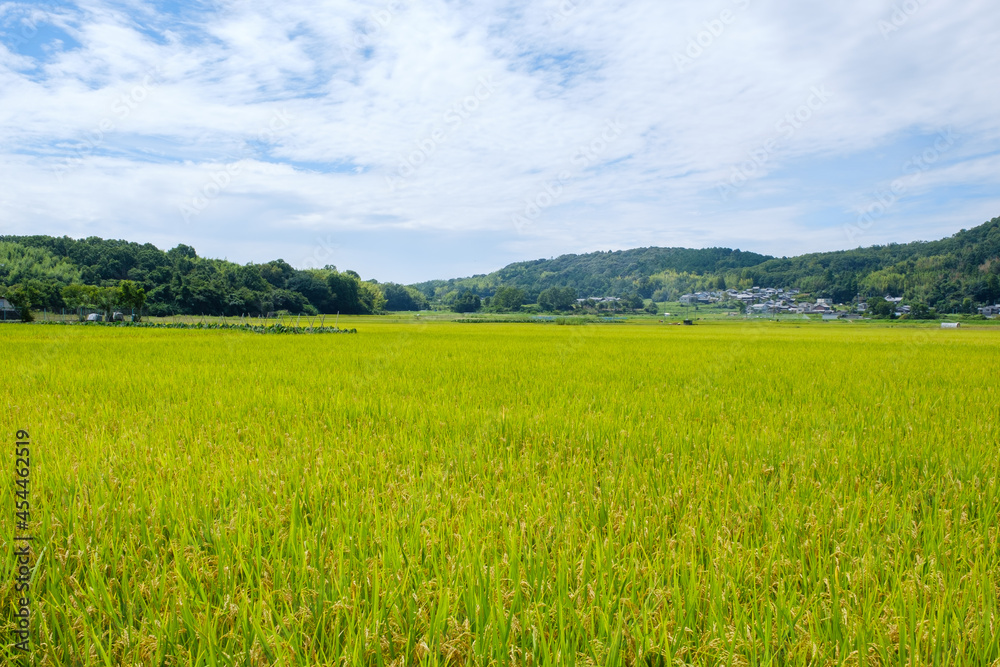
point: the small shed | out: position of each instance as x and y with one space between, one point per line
951 325
95 317
7 311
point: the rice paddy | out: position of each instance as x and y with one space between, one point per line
508 494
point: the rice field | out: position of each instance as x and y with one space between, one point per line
490 494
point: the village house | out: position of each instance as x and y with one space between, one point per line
769 299
819 308
990 311
701 298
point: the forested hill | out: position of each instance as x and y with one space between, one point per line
600 273
35 271
953 275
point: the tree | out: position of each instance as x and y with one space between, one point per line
845 289
399 298
277 273
182 251
283 299
556 299
371 298
344 290
313 286
467 302
644 287
921 311
77 297
107 299
880 308
23 297
507 299
993 288
132 296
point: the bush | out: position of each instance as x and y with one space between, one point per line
467 302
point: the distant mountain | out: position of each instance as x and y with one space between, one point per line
955 274
952 274
601 273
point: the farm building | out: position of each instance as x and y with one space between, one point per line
8 311
990 311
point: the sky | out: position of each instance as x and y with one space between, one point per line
412 140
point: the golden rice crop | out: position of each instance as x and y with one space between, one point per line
448 494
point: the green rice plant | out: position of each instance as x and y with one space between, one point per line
438 494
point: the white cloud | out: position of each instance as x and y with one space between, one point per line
452 117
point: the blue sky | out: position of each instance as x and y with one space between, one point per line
411 141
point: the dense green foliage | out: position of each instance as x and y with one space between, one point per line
507 299
467 302
402 297
557 298
953 275
597 274
942 274
177 281
502 494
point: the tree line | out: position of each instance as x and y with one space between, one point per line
953 275
956 274
67 274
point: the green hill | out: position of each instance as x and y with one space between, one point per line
955 274
600 273
177 281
